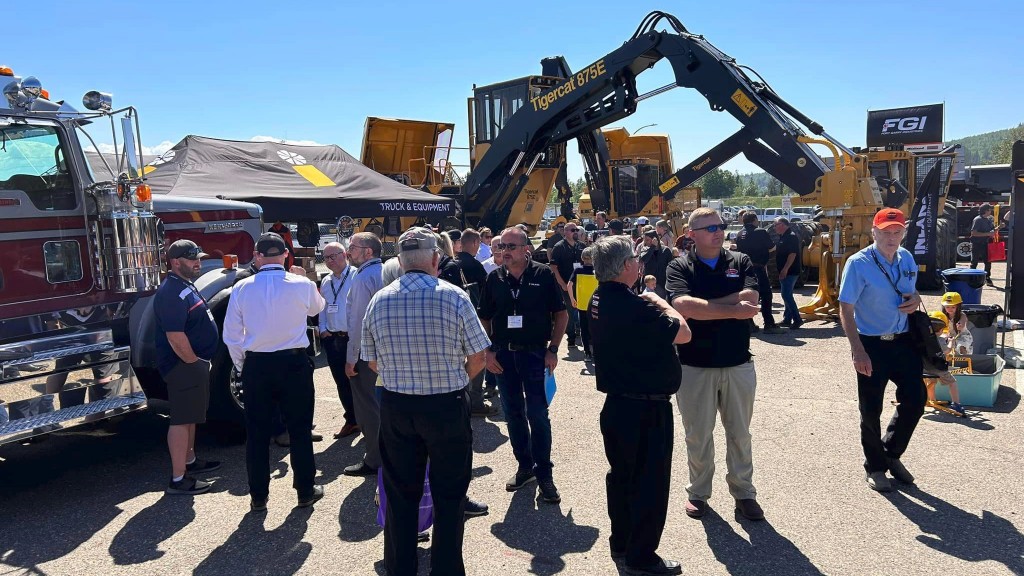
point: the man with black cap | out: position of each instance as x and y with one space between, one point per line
265 332
654 259
186 339
425 408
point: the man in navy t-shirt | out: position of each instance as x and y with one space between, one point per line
186 340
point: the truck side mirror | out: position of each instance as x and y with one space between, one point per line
130 148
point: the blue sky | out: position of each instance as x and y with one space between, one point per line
314 71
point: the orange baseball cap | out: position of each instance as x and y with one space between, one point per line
887 217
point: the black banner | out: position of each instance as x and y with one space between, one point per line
914 125
1015 259
921 229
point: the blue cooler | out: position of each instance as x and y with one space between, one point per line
967 282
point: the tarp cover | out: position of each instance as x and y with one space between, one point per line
290 182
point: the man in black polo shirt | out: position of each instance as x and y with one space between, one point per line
565 257
525 316
716 291
787 260
757 244
186 339
469 274
638 369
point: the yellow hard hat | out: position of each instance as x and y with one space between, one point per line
951 299
939 318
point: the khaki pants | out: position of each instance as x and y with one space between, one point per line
703 393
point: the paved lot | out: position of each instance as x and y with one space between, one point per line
92 502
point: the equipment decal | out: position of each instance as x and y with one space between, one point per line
589 73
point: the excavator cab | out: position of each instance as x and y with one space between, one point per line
637 165
490 109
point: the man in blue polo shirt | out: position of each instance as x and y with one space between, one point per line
877 292
186 339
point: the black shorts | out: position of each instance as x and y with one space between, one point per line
188 391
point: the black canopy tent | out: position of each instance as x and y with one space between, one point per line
290 182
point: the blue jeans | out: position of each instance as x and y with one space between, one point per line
792 314
521 386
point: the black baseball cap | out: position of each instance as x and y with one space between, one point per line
271 244
185 249
616 225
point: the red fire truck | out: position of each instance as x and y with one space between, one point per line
81 252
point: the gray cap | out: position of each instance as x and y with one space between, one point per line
417 239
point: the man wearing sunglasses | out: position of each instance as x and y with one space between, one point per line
566 257
523 311
716 291
186 339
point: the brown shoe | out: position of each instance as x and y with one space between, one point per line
750 509
347 430
696 508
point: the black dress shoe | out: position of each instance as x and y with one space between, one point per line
361 469
258 504
658 569
307 501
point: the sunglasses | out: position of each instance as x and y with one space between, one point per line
712 228
509 246
192 254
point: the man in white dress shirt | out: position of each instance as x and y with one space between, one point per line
265 332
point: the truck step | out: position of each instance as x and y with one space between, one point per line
22 428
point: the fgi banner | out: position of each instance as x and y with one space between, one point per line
913 125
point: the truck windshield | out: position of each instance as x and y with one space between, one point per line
32 161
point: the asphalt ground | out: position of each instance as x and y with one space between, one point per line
92 502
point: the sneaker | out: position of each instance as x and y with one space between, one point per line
522 478
474 508
774 330
423 536
959 408
548 492
187 486
899 471
202 466
307 501
361 469
258 504
878 482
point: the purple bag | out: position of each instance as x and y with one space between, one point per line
426 516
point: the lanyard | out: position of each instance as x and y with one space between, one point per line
337 290
367 264
887 276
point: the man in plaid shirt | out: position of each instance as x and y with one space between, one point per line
424 338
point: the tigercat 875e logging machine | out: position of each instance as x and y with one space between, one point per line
523 123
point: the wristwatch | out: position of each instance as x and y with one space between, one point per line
553 349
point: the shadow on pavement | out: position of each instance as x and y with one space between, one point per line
767 552
487 436
959 533
251 544
542 531
357 517
139 540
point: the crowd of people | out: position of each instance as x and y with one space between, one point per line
419 344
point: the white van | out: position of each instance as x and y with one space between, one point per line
769 214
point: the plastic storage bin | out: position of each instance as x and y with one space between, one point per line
979 388
967 282
981 321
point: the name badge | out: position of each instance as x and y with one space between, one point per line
210 314
576 265
332 308
515 321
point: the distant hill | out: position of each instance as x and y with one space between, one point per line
978 148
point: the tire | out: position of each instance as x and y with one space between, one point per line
226 404
963 250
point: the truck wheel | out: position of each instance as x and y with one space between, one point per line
963 250
225 391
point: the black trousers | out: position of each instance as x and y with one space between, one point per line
764 290
284 379
979 255
412 429
336 347
585 329
638 444
894 360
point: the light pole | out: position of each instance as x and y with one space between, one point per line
642 127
